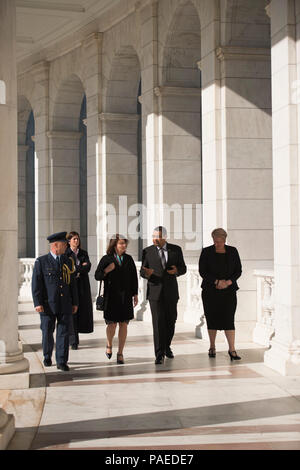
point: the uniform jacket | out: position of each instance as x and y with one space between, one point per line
50 288
161 282
208 267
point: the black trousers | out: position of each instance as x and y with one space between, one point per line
62 336
73 330
164 316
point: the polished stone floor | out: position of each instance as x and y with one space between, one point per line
189 402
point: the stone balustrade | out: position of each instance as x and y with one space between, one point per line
264 329
25 275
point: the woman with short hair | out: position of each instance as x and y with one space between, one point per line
220 267
118 271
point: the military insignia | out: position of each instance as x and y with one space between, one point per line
66 271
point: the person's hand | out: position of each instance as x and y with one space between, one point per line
109 268
39 309
148 271
84 264
135 300
222 284
74 309
173 270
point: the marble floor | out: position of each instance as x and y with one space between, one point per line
190 402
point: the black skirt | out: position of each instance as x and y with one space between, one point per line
219 308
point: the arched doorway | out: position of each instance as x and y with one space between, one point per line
26 180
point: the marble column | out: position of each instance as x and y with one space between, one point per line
64 180
244 172
120 176
13 366
92 47
152 158
284 354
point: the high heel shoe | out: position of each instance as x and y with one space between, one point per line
211 352
108 355
120 358
233 356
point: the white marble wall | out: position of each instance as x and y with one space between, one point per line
284 355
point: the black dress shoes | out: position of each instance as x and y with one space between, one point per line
159 360
47 362
63 367
169 353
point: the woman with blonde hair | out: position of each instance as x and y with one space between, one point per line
220 267
118 271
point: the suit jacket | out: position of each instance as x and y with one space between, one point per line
208 266
161 282
50 288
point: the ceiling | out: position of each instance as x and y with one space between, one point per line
42 23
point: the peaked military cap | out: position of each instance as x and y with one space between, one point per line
57 237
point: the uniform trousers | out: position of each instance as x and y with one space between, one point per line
164 316
62 322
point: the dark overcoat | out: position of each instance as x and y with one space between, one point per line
120 285
85 310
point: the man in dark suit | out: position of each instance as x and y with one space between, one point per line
162 263
55 298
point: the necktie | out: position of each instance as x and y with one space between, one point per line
58 262
162 257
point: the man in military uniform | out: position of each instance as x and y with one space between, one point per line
55 298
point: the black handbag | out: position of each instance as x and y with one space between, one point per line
100 300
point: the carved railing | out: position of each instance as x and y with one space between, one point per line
194 313
264 329
25 275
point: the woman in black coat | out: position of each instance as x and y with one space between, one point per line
220 267
118 271
83 319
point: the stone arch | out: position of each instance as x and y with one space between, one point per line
67 104
26 179
245 22
123 82
121 153
65 147
182 49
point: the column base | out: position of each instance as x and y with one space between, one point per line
14 375
7 429
284 359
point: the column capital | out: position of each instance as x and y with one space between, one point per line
91 39
240 53
118 117
40 72
176 91
64 135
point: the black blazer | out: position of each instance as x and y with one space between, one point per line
161 281
121 279
208 268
